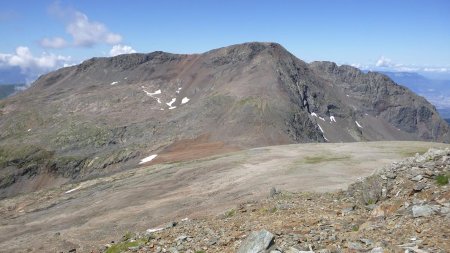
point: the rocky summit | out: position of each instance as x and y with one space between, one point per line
110 114
404 207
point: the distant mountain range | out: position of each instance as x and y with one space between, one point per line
9 89
11 80
9 75
435 91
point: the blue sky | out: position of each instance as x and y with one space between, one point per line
402 35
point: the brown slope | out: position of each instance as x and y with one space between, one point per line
99 117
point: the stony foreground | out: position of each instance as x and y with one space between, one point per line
404 207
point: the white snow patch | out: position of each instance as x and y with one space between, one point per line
125 78
179 89
321 130
185 219
114 83
332 119
322 118
172 107
358 124
185 100
162 109
148 159
74 189
155 93
347 95
148 93
171 102
313 114
152 94
29 130
152 230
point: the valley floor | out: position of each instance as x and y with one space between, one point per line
95 212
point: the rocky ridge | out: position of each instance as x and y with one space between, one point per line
404 207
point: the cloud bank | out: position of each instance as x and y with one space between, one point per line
121 49
56 42
32 66
83 31
386 64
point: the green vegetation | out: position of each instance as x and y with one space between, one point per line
442 179
126 243
355 228
230 213
411 153
325 158
83 135
257 102
370 202
22 156
123 246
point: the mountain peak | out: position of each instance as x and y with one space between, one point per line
108 114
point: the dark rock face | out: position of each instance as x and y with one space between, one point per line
106 114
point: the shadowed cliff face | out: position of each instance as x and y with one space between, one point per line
107 114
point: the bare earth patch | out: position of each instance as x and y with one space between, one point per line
100 210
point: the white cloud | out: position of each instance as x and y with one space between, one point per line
439 70
56 42
84 32
121 49
87 33
384 62
30 65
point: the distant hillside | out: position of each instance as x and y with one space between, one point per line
9 75
6 90
435 91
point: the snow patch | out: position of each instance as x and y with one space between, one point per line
148 159
172 107
179 89
347 95
332 119
358 124
155 93
159 100
322 118
148 93
152 230
125 78
74 189
114 83
321 130
171 102
29 130
185 100
313 114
